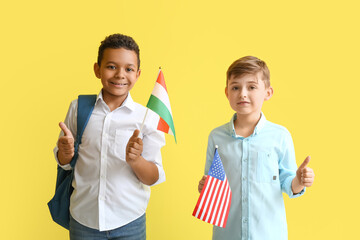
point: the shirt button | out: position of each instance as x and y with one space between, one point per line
245 160
245 220
244 178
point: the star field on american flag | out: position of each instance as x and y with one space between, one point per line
217 169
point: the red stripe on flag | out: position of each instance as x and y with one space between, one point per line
200 198
227 212
221 201
215 200
163 126
211 198
218 202
223 215
161 80
206 196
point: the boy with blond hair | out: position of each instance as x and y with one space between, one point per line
258 157
116 163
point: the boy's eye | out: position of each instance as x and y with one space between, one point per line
252 87
129 69
111 67
235 88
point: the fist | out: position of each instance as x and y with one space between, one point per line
202 183
304 174
134 147
65 145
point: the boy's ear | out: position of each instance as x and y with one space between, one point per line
138 74
269 93
226 92
97 70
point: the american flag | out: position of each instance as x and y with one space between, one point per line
215 199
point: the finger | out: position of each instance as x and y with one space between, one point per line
132 156
307 174
307 180
305 163
135 145
134 151
135 134
66 131
139 141
66 140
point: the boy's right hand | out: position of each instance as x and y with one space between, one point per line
201 183
65 145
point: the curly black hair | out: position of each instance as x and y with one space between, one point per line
119 41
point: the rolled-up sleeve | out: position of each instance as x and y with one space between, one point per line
71 124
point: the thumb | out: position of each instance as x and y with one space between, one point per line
66 131
305 162
136 133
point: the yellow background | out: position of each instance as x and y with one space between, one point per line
311 47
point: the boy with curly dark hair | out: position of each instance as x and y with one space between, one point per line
117 164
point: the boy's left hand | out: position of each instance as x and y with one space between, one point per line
305 175
134 147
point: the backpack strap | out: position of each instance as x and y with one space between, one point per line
86 105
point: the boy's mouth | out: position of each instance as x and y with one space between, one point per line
119 84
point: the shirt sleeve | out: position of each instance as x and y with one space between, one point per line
70 122
209 153
153 141
287 166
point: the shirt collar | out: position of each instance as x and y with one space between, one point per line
260 125
128 103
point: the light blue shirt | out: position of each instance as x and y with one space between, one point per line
259 168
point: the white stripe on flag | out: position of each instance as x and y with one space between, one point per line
207 200
213 217
218 217
213 199
160 92
203 198
226 207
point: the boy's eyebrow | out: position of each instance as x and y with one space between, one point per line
128 64
231 83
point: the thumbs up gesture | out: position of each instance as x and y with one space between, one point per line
134 147
304 176
65 145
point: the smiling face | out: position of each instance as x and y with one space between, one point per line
247 93
118 73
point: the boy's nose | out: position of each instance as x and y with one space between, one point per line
119 73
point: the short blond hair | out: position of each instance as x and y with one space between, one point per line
249 65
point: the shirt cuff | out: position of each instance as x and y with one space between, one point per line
288 188
66 166
161 175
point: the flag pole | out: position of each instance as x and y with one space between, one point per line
142 124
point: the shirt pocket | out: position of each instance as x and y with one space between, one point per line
122 137
267 168
121 140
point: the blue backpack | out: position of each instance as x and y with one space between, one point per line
60 203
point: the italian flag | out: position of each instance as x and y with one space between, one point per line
159 102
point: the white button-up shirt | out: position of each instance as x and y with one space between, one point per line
107 194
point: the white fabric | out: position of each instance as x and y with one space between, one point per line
107 194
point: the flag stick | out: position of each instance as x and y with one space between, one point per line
142 124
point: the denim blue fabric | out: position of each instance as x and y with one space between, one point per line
259 169
135 230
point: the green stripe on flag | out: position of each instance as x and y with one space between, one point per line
160 108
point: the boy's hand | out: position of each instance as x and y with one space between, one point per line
134 147
65 145
201 183
304 174
304 177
